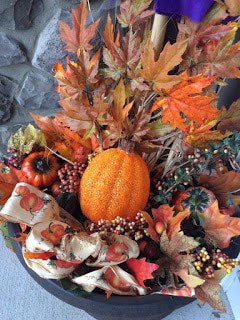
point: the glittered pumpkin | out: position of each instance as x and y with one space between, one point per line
115 183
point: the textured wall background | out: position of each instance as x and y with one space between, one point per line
29 47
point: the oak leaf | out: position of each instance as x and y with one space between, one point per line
187 97
80 35
209 292
218 227
141 269
156 73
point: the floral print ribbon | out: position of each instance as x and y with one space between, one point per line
57 245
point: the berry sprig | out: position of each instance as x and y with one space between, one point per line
70 176
207 263
14 160
186 170
135 229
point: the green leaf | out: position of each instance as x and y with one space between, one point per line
157 128
6 238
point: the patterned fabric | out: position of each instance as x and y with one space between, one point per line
57 245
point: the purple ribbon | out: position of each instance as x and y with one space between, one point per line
194 9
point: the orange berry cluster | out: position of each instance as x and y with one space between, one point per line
207 263
135 229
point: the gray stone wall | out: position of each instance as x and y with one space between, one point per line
29 47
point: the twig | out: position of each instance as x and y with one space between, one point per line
150 98
59 156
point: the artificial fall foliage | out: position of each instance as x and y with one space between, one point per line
186 97
218 227
141 269
120 93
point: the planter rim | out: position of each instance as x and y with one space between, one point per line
54 287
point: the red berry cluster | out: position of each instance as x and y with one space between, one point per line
207 263
135 229
70 176
14 159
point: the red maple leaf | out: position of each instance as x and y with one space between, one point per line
141 269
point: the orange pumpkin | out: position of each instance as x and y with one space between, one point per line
115 183
40 169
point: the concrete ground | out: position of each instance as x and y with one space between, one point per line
22 298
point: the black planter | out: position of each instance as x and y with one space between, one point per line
151 307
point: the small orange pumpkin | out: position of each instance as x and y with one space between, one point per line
40 169
115 183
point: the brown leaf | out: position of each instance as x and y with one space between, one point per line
221 58
231 118
69 84
80 35
156 72
177 251
219 227
133 12
221 185
209 292
68 143
187 97
200 136
191 280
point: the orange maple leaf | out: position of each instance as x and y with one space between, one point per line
157 72
187 97
219 227
80 35
165 214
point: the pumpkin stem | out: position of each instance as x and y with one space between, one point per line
127 145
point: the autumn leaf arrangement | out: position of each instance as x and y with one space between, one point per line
142 144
